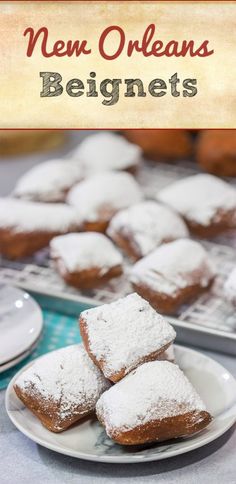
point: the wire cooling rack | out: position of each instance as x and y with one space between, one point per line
211 309
210 312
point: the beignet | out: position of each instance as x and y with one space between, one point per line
106 151
207 203
216 151
98 198
61 387
26 227
122 335
173 274
155 402
162 144
48 181
141 228
85 260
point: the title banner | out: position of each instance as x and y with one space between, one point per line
118 64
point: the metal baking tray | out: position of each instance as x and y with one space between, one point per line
209 322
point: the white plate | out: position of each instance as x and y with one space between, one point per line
88 440
9 364
21 322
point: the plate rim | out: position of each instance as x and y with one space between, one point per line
121 459
15 361
39 329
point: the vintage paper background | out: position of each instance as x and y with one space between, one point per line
213 106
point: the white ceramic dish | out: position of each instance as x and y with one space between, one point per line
21 357
21 323
88 440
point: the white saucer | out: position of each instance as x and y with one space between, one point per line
21 357
88 440
21 323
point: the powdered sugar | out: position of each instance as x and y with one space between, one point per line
102 195
23 216
66 377
199 198
48 181
124 332
155 390
85 251
174 266
106 151
147 225
230 287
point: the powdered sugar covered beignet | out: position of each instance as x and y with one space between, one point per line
207 203
48 181
173 274
155 402
26 227
106 151
61 387
98 198
87 259
230 287
21 215
122 335
141 228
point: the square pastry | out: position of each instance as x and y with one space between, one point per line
48 181
100 196
207 203
85 260
155 402
141 228
61 387
106 151
173 274
122 335
26 226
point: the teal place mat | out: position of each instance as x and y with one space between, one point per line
59 330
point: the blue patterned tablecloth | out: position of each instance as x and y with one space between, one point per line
59 330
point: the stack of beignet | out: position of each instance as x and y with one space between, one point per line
127 343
